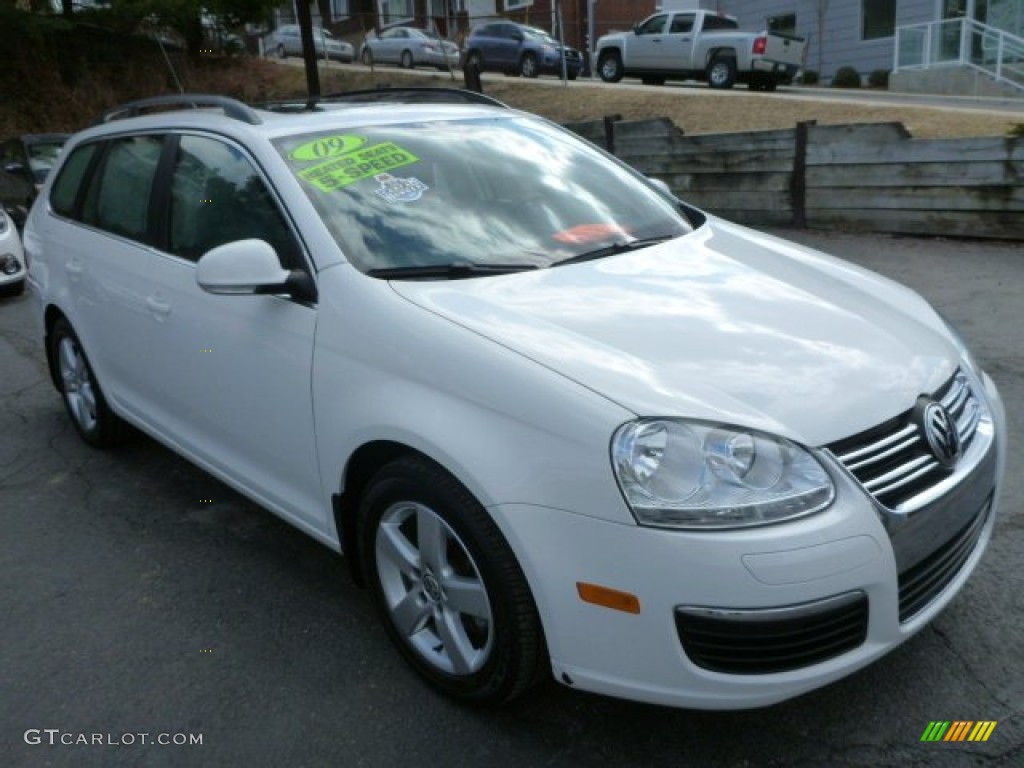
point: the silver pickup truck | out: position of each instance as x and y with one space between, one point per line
699 45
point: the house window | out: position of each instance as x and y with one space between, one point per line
784 24
878 19
392 11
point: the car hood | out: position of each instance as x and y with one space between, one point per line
724 324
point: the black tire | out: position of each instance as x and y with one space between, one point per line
722 72
528 65
406 60
609 66
572 74
281 52
12 289
367 57
488 654
474 61
83 398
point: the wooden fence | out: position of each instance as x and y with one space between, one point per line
862 176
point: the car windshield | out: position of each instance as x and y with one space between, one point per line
512 191
42 156
539 34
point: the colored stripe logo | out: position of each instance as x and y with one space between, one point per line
958 730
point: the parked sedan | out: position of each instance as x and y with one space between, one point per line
12 259
503 46
408 47
26 160
286 41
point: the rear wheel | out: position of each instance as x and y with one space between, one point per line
609 66
367 57
281 51
406 61
475 62
722 72
84 400
452 596
528 65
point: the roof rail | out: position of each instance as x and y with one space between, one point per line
403 95
231 107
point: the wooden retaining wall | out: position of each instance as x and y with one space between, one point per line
862 176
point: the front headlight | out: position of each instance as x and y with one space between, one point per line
678 474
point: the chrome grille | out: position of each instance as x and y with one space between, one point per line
892 461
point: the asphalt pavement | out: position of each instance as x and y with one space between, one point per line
143 601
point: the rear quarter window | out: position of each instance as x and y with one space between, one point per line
65 189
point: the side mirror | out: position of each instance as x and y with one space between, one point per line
518 37
636 28
15 169
248 267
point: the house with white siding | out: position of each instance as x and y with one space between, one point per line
983 37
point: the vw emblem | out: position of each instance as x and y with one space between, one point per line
940 433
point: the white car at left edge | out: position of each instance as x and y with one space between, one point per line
12 258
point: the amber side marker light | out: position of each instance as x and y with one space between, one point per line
608 598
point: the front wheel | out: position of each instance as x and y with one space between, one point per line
281 52
452 596
528 65
609 66
367 57
722 72
407 62
84 400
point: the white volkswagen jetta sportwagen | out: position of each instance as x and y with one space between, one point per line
560 423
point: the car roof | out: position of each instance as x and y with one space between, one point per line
227 116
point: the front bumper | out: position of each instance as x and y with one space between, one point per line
819 564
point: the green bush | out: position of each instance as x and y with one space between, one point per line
846 77
879 78
809 77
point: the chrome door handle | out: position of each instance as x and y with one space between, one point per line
159 309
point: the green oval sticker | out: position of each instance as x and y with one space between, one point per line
328 146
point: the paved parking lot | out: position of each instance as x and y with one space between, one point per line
140 596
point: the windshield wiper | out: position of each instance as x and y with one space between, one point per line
614 249
453 271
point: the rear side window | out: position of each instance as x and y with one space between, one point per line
65 188
719 23
682 23
118 196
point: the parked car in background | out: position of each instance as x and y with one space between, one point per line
24 163
699 45
503 46
408 47
12 258
286 41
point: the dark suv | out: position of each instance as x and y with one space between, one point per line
503 46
